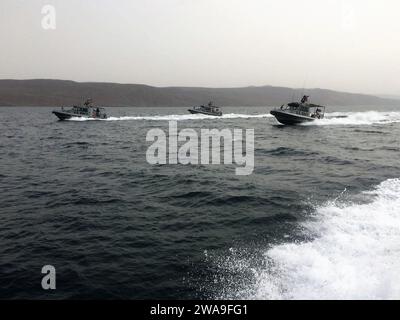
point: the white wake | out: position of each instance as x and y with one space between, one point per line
333 118
358 118
355 253
177 117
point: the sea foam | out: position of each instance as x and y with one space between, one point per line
333 118
178 117
354 254
357 118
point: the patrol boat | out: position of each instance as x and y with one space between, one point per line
209 110
86 111
296 113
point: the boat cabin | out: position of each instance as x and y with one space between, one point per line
305 109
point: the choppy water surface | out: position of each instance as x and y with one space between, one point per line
318 218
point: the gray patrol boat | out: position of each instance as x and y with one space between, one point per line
296 113
209 110
86 111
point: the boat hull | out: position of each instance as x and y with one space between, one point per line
63 115
66 116
192 111
290 118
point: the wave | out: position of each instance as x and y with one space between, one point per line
177 117
357 118
354 253
333 118
284 151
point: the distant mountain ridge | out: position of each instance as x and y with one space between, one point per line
43 92
389 96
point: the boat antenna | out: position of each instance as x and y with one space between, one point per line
303 90
305 83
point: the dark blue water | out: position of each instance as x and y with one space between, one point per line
317 218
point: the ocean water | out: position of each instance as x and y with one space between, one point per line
318 218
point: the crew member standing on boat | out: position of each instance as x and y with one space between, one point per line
88 102
304 99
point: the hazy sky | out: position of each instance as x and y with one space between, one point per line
350 45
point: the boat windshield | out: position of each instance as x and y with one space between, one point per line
305 109
80 110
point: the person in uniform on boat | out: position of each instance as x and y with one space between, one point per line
88 102
304 99
318 113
